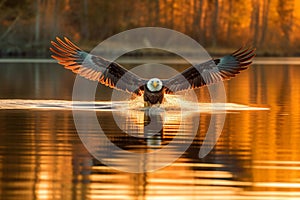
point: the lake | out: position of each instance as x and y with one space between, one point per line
42 156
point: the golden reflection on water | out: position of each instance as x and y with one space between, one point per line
256 157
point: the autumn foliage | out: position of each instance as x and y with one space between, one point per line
272 26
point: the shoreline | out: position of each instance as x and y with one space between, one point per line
165 60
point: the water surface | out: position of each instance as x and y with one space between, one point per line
257 155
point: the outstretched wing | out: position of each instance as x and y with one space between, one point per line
211 71
95 68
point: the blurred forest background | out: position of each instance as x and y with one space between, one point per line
273 26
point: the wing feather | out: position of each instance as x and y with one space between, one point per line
211 72
95 68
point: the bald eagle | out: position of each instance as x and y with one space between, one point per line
115 76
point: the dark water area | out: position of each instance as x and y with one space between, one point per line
42 156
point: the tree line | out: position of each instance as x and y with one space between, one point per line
27 26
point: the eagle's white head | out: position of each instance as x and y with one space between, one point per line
154 85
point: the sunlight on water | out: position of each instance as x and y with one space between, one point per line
256 157
172 103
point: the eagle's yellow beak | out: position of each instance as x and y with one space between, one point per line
155 84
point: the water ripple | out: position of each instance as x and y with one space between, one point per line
112 106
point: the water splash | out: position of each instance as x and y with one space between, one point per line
171 103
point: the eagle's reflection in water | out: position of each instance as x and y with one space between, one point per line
158 125
153 126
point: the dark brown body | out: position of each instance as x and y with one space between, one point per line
151 98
